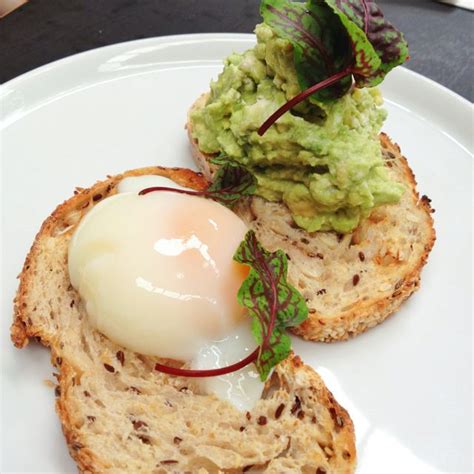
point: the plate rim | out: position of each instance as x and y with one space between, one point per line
187 36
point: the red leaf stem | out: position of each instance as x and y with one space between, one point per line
211 372
300 97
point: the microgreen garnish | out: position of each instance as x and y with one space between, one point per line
273 305
336 43
231 182
372 37
319 41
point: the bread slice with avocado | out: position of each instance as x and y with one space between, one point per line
353 281
119 415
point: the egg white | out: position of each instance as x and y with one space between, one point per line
243 387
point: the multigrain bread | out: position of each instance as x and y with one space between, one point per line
355 281
119 415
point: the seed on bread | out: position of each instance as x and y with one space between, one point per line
262 420
144 438
120 357
138 424
279 410
296 405
109 368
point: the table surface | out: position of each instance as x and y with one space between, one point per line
441 37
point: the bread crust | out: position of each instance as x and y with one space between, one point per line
76 372
362 313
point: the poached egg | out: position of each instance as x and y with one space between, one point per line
156 275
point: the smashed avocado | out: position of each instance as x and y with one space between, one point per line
323 161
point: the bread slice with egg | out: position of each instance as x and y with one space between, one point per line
119 415
355 281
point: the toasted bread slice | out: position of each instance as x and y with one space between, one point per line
119 415
355 281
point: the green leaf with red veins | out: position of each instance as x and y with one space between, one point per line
321 46
273 303
370 33
372 46
231 182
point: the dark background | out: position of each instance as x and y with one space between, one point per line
440 37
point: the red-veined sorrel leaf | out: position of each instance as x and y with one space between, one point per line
273 303
373 46
370 33
320 43
231 182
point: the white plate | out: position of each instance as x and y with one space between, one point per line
406 383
